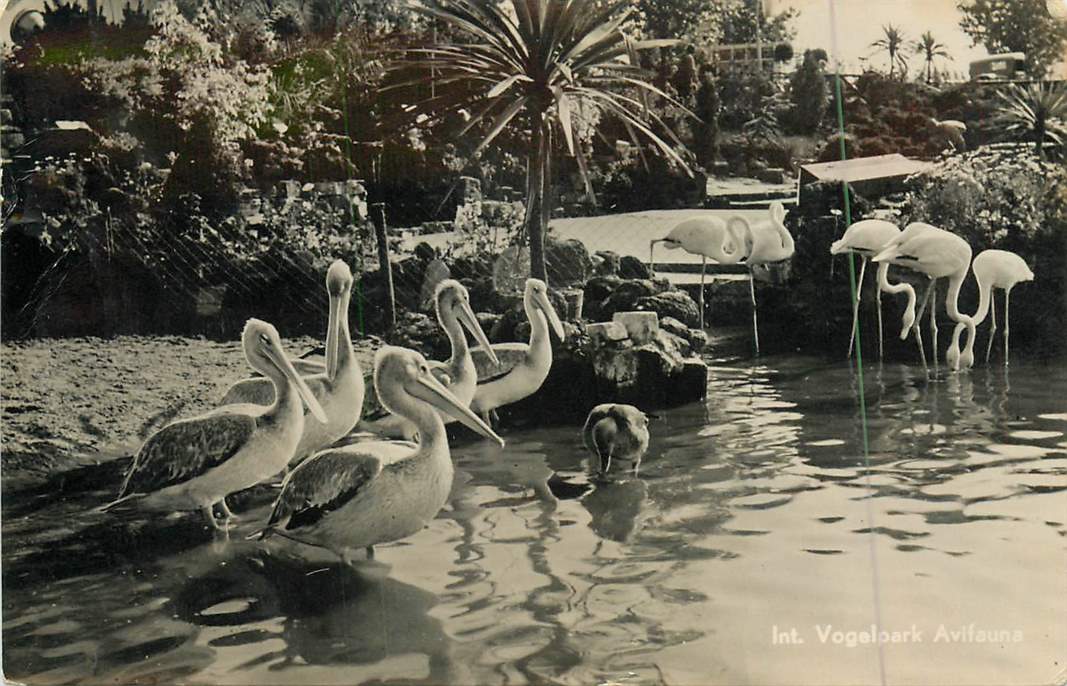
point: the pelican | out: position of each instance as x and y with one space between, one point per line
458 374
937 254
195 463
765 245
994 269
355 497
339 386
865 238
618 432
525 366
709 237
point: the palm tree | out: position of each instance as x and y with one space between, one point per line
892 43
930 49
1035 112
537 65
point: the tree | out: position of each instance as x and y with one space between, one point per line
929 49
1035 112
809 94
1016 26
538 66
892 43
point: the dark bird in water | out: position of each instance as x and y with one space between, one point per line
616 432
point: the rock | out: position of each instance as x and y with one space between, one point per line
641 326
597 290
606 333
678 342
698 340
609 262
676 304
425 252
626 295
632 268
567 261
694 338
487 320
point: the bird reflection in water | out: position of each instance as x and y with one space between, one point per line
334 615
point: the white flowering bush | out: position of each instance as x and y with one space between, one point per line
993 197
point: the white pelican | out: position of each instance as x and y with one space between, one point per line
765 245
707 236
866 238
458 373
195 463
937 254
524 366
355 497
339 387
616 432
994 269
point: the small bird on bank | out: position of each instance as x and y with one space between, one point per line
193 464
616 432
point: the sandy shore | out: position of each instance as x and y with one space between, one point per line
70 402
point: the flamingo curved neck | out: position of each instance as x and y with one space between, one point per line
955 283
985 292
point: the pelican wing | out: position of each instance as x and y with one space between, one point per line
322 484
259 391
510 355
186 449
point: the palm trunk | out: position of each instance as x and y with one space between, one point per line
537 202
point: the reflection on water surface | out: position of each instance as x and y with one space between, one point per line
756 523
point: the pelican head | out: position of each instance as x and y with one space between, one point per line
452 296
403 380
263 349
338 278
537 294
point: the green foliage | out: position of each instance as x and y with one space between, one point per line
530 65
1035 113
809 94
1016 26
892 43
929 49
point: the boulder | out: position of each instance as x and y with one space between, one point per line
676 304
640 326
606 333
567 261
632 268
694 338
597 290
609 262
625 296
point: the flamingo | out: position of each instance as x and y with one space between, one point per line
765 245
195 463
614 431
458 373
339 386
707 236
523 366
994 269
937 254
355 497
865 238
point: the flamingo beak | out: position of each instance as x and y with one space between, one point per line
467 317
543 302
430 390
277 355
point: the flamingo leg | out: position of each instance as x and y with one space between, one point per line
703 266
755 321
226 510
993 325
918 318
651 261
919 340
856 306
209 515
881 352
1007 326
933 316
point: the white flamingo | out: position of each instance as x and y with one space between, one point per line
765 245
994 269
355 497
339 386
866 238
937 254
195 463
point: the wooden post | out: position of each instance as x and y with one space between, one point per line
378 216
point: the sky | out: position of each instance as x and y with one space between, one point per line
859 23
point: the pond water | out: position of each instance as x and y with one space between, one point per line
756 523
